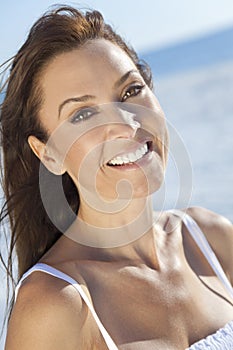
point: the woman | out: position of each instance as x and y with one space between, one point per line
79 102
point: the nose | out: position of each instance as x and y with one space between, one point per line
122 124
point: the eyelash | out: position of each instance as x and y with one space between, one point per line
137 88
83 114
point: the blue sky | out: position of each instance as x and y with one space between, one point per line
146 24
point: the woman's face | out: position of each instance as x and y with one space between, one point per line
104 122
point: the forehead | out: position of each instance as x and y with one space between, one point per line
95 60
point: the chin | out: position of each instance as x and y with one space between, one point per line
145 191
126 191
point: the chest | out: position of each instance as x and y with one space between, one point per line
146 310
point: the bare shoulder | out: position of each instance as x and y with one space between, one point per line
219 233
48 314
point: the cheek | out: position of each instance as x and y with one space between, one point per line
83 158
74 157
152 119
154 122
154 105
166 146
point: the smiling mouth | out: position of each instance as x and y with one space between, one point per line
132 157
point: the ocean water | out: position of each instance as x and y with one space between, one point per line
212 48
199 108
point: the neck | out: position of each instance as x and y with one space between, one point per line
124 231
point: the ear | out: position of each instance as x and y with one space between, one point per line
49 160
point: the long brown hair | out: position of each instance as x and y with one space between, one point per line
31 232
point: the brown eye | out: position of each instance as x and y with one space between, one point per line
132 91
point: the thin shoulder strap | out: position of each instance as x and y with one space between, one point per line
59 274
205 247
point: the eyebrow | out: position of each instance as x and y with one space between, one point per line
120 81
86 98
83 98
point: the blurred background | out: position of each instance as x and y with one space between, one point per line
189 45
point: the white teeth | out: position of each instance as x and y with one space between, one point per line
130 157
125 159
119 160
138 153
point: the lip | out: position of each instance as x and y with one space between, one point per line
140 143
146 158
